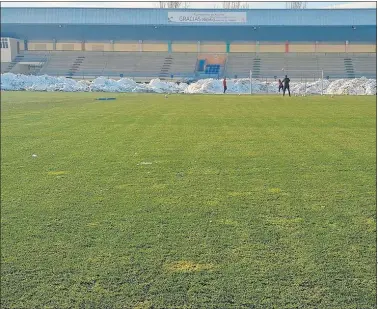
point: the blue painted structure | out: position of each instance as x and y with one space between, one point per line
108 16
189 33
98 24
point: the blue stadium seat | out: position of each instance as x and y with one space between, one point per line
212 69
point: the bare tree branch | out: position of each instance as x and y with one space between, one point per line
235 5
173 4
296 5
231 4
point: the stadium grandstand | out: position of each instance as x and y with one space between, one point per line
182 44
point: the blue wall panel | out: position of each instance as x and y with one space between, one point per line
109 16
189 33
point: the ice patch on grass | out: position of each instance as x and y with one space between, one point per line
19 82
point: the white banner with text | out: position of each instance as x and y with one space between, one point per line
207 17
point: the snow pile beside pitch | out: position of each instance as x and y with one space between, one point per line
158 86
314 87
205 86
357 86
16 82
258 87
11 81
103 84
241 85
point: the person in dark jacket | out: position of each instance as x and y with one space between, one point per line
224 85
286 85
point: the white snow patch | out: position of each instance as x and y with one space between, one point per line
358 86
17 82
158 86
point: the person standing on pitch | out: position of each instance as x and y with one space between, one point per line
224 85
280 86
286 82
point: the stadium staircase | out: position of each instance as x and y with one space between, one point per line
94 64
76 65
165 69
332 65
12 64
4 67
58 62
349 67
183 65
256 68
35 61
365 65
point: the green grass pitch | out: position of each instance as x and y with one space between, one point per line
194 201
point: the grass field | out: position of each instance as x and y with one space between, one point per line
187 202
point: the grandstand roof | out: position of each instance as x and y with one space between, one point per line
248 17
104 24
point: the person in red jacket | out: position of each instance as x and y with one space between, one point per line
280 85
224 85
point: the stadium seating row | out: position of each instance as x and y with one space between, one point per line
185 65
